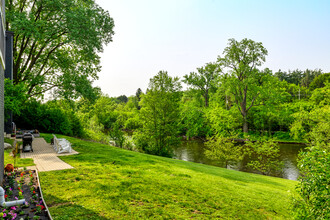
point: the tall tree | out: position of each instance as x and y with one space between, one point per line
244 79
56 44
138 98
160 115
203 79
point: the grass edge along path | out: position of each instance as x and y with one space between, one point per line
17 162
112 183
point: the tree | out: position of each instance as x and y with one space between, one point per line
122 99
159 115
56 44
117 135
244 79
314 164
299 77
319 81
14 97
264 156
138 98
313 186
194 121
223 149
104 111
203 79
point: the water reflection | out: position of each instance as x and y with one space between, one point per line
194 151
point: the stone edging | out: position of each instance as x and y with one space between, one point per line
42 197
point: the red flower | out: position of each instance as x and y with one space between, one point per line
42 207
6 196
34 192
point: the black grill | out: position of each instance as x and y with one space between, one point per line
27 142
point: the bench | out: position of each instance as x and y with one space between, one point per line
61 145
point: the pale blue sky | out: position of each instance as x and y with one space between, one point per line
180 35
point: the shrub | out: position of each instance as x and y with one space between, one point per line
223 149
263 156
313 187
49 117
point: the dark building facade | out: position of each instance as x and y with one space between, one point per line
2 74
9 75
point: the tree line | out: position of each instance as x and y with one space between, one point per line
56 49
226 100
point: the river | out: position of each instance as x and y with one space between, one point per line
194 151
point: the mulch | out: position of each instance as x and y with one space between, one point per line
20 184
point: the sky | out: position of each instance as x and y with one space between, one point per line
179 36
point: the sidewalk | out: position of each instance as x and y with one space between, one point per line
45 157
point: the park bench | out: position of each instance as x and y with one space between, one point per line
61 145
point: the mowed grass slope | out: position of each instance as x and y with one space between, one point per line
111 183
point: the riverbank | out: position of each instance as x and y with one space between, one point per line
109 182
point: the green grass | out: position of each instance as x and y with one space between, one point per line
111 183
19 161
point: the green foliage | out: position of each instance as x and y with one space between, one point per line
159 116
313 187
244 81
49 117
312 126
314 165
104 110
117 135
223 149
122 98
263 156
321 96
281 135
223 122
15 96
299 77
320 81
194 121
203 80
56 45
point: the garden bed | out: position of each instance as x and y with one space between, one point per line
21 184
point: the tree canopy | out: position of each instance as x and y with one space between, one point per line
243 78
56 44
159 115
203 79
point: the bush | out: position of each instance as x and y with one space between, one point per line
50 118
313 186
223 149
117 135
281 135
264 156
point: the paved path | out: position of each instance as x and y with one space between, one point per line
45 157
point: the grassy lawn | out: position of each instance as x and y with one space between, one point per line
19 162
111 183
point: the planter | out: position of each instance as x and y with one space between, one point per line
21 184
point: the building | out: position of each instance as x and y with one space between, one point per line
2 74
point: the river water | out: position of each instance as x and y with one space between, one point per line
194 151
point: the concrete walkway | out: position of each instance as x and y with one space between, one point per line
45 157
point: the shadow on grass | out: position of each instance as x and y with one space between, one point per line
62 209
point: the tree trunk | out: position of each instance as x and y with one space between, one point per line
206 97
245 126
